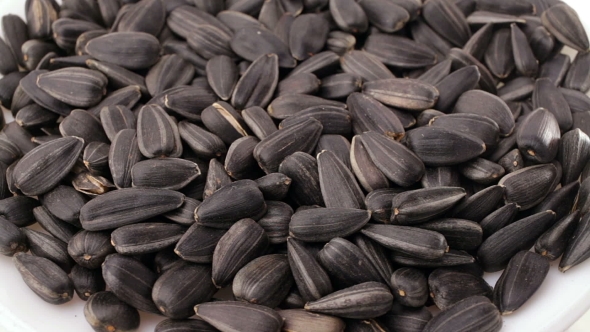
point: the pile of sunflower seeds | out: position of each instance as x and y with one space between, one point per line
338 165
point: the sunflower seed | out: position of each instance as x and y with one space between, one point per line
420 205
453 86
370 115
191 280
198 243
274 186
365 65
563 23
83 125
451 258
517 89
92 185
222 75
462 59
276 221
538 136
577 75
406 319
457 148
157 133
245 237
37 172
340 42
303 171
448 287
44 278
577 247
169 72
479 43
340 188
498 219
525 273
44 245
481 17
257 85
120 207
56 227
15 34
86 282
259 121
298 320
29 85
548 96
236 316
34 116
460 316
446 18
222 120
375 297
440 177
132 50
123 154
119 271
553 242
12 239
366 172
105 309
410 287
460 234
8 85
431 245
399 51
340 255
387 16
425 35
500 247
316 225
246 201
302 47
64 203
511 161
403 93
310 278
268 290
172 325
482 171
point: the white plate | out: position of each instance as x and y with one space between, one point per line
561 300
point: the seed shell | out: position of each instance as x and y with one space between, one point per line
425 244
234 316
44 278
410 287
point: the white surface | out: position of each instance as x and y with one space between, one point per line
561 300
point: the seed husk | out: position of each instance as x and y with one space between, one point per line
431 245
116 118
54 226
416 206
266 281
12 239
340 42
222 75
387 16
235 201
118 76
349 16
456 148
577 249
500 247
446 18
423 33
302 83
123 154
462 59
127 206
524 274
245 237
64 202
364 65
385 152
317 64
363 301
301 45
479 43
482 171
577 75
289 105
455 85
239 161
499 55
236 316
252 42
318 225
44 278
310 278
28 84
460 234
410 287
303 171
